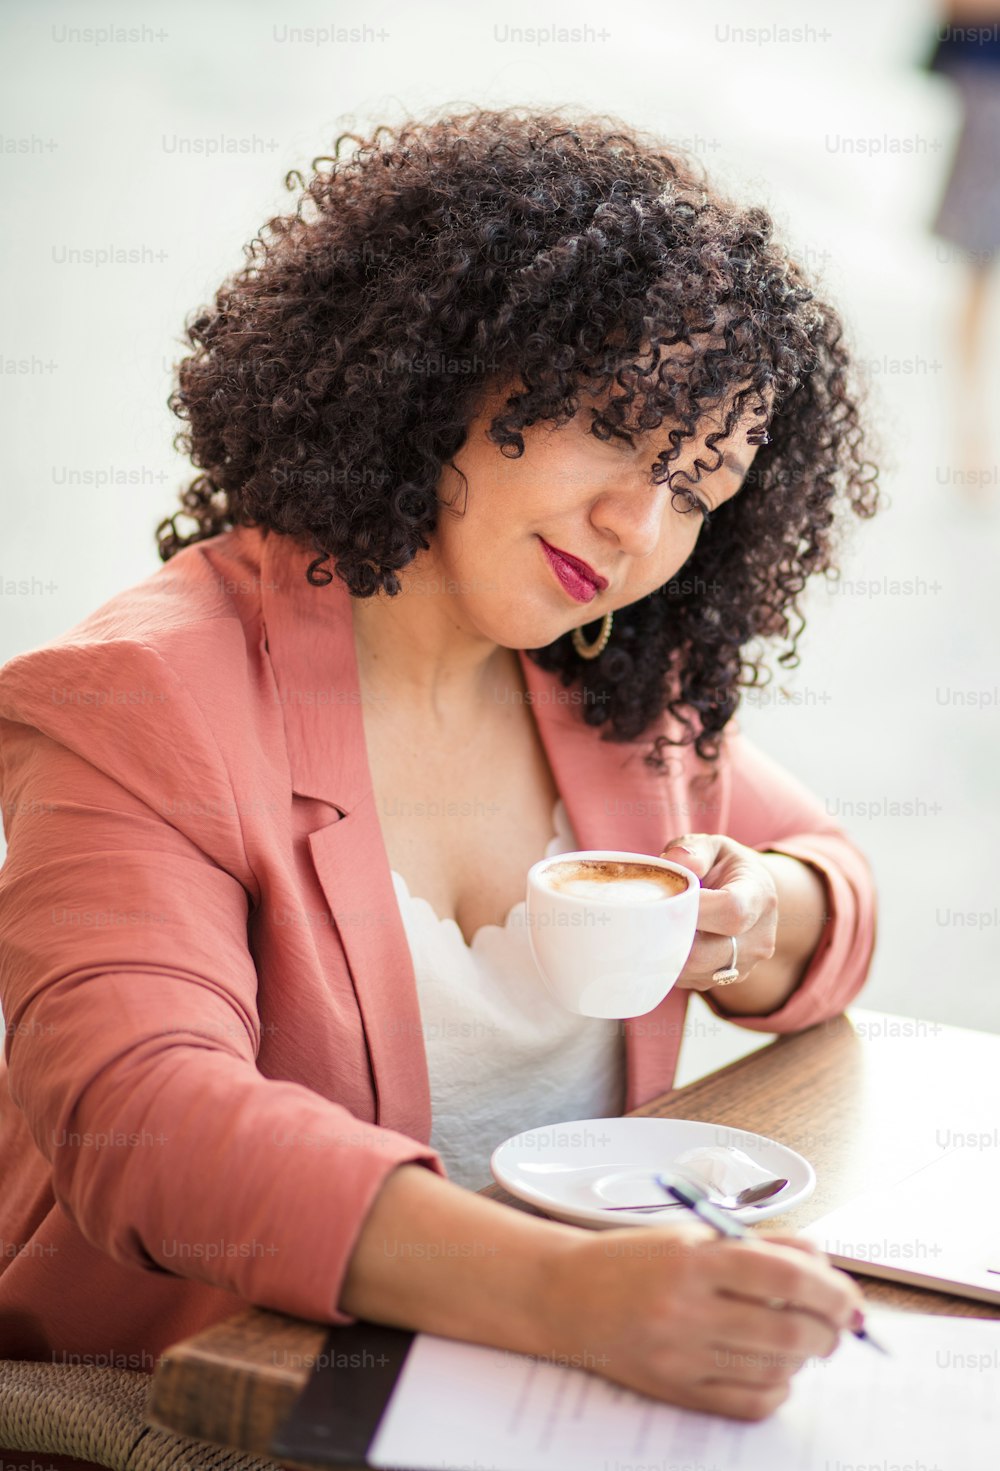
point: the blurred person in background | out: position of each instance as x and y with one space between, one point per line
967 50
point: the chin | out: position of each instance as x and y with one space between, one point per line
524 635
524 624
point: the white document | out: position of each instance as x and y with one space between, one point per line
934 1405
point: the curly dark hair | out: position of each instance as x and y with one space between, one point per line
339 369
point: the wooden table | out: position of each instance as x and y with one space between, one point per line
863 1097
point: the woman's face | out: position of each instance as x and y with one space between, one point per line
574 494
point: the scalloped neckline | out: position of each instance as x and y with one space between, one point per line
447 921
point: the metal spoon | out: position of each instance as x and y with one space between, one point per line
752 1195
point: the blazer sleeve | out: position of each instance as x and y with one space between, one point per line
129 992
771 810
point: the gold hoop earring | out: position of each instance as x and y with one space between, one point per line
591 651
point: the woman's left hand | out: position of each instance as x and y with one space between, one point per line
738 898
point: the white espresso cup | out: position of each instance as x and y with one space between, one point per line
612 956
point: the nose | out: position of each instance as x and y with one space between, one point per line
634 515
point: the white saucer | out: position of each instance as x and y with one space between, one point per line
572 1170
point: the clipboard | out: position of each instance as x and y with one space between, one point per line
335 1418
386 1398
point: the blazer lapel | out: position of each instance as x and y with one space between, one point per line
353 869
309 636
310 639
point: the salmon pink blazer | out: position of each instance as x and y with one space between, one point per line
214 1053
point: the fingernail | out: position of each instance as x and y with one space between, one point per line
680 848
857 1320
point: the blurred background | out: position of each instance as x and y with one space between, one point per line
143 145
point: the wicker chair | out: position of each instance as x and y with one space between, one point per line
98 1415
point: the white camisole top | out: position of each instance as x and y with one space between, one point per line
502 1055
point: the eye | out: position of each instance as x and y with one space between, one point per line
662 475
694 502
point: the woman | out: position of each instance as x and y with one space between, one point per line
967 51
512 431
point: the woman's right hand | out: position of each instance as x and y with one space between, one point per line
673 1311
686 1316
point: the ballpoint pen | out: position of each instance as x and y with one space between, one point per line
690 1196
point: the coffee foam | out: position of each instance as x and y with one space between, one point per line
614 881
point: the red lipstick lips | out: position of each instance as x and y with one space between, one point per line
575 576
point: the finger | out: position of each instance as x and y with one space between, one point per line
778 1337
738 1401
766 1272
759 1367
695 851
799 1243
710 953
737 908
733 1362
